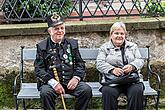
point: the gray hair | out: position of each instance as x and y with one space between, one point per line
118 25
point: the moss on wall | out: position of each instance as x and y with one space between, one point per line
6 85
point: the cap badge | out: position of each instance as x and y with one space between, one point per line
55 17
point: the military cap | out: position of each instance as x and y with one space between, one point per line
54 19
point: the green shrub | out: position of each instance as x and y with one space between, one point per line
6 92
35 8
155 8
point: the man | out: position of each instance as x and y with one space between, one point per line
63 54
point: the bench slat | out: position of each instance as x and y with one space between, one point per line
144 52
148 90
29 54
86 53
30 91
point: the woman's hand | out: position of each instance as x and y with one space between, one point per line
127 68
117 71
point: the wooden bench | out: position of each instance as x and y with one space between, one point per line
30 91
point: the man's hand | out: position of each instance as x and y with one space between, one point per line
72 83
59 89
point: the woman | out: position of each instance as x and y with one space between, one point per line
118 57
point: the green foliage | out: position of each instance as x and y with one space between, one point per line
92 74
36 8
155 8
6 92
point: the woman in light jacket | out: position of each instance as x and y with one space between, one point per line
118 57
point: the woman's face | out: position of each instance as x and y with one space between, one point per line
118 37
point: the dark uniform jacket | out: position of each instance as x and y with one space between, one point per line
65 57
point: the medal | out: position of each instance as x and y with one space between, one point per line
71 63
68 51
65 56
67 61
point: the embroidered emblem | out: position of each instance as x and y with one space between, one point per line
55 17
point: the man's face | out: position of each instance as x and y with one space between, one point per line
57 33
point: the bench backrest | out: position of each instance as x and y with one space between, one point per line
86 53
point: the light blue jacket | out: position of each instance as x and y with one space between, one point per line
110 57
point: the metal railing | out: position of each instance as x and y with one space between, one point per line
37 10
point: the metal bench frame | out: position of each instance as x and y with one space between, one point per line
30 91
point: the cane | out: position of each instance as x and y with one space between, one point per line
57 78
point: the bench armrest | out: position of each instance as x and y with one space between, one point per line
15 84
157 77
152 73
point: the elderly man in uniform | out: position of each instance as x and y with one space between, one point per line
63 54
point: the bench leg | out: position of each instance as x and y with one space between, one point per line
145 102
16 102
16 105
24 105
157 101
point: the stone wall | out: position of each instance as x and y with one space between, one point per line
10 46
89 34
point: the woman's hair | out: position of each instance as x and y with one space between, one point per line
118 25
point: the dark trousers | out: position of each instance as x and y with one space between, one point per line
82 92
134 93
